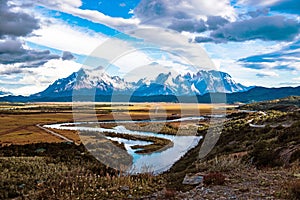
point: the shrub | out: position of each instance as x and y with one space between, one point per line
170 193
264 156
214 178
295 156
294 189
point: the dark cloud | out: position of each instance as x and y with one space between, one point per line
12 26
151 10
215 22
268 28
199 39
189 25
15 24
259 12
10 71
179 15
192 25
67 55
12 51
11 46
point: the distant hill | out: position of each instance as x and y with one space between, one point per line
291 103
263 94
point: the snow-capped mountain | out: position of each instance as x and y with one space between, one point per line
87 81
199 83
100 83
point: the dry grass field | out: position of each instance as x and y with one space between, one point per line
18 121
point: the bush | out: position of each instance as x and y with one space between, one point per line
170 193
295 156
294 189
264 156
214 178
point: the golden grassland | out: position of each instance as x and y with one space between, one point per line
254 163
19 120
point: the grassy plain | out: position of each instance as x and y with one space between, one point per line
256 163
19 120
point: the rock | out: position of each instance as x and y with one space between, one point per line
124 188
297 175
192 179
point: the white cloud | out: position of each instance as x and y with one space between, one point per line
163 11
70 7
98 17
34 80
61 3
131 61
296 79
174 43
64 37
267 73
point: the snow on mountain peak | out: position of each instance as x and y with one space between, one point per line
168 83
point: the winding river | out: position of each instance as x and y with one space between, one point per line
156 162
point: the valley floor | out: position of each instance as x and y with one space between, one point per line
248 162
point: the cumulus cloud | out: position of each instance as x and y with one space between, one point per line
177 44
12 51
150 11
268 28
59 35
259 12
215 22
189 25
10 70
198 26
67 55
189 15
26 81
14 24
10 46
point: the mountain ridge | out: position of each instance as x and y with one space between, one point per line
204 87
187 84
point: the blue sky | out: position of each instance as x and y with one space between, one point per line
256 42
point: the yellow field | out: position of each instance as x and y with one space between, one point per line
18 121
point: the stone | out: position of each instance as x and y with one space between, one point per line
192 179
124 188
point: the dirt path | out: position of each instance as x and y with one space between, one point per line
54 133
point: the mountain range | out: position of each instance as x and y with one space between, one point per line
205 85
188 84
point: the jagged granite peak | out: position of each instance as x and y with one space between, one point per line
199 83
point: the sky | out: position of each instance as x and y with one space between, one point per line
256 42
